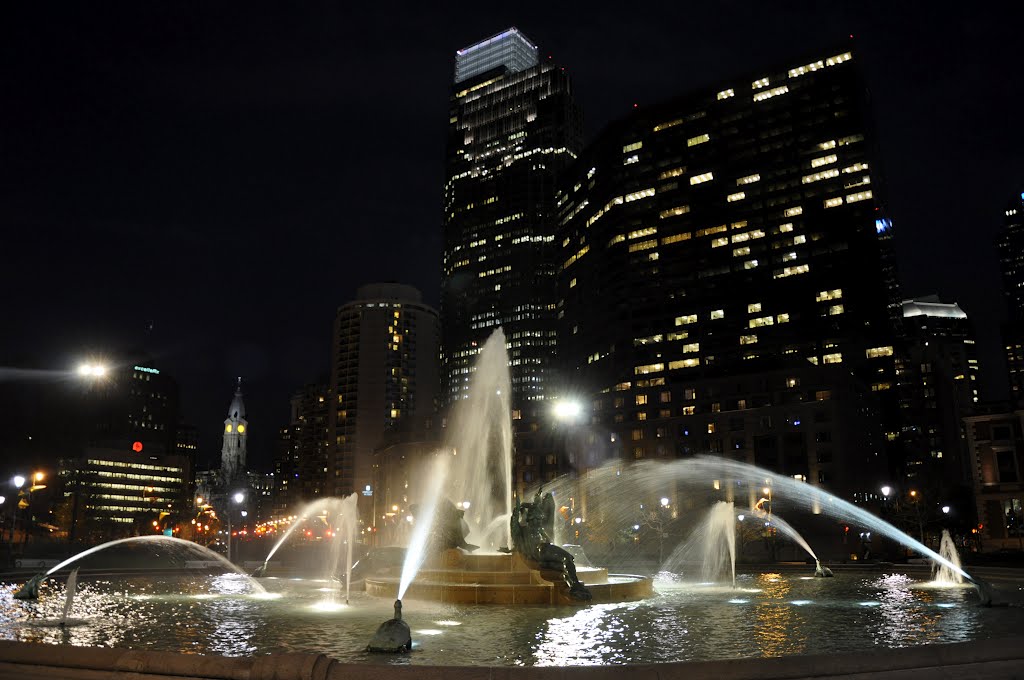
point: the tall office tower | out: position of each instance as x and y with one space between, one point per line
735 232
513 127
133 403
304 453
383 381
1011 260
942 367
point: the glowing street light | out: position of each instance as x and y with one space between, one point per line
886 490
664 502
89 370
239 497
945 509
19 481
567 409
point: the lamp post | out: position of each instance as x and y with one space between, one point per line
237 498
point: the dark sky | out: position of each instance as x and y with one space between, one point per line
233 171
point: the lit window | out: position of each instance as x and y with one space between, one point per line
721 241
754 308
637 195
788 257
749 179
875 352
725 94
643 245
836 358
675 238
692 347
641 400
787 227
833 202
687 319
671 123
768 94
782 318
738 196
739 252
807 68
859 196
856 167
672 212
791 271
759 83
674 172
824 174
227 428
799 239
824 160
699 139
761 321
833 294
678 335
748 339
750 264
717 313
632 147
701 178
797 210
835 310
648 368
631 159
683 363
241 429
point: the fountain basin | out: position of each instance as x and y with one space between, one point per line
456 577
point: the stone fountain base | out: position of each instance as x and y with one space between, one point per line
458 577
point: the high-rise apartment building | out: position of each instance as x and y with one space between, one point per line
1010 244
734 232
304 454
513 127
384 378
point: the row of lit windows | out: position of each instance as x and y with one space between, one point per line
136 466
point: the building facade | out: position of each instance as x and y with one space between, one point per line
1010 244
996 444
731 234
115 492
384 377
513 127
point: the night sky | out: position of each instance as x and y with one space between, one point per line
230 173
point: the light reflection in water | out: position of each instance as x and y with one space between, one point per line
780 629
682 622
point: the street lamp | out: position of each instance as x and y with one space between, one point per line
238 497
19 481
886 490
945 509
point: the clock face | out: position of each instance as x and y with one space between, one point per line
241 429
227 428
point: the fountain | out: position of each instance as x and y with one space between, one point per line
950 573
30 590
470 480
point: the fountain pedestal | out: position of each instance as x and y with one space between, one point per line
458 577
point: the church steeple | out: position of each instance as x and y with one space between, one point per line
236 433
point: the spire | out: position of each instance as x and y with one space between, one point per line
237 409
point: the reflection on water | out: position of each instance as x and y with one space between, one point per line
768 615
780 628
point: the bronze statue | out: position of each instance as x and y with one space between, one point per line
449 530
532 525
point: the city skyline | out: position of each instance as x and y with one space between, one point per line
139 223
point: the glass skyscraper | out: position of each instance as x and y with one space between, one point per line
513 127
509 49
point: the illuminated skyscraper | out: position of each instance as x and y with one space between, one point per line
726 270
1011 261
513 127
383 382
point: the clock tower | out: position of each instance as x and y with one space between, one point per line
236 432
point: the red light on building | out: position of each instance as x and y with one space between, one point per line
137 447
